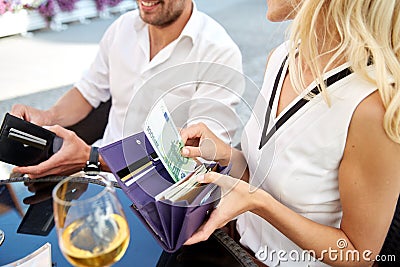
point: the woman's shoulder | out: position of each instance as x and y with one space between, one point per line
366 132
367 119
371 109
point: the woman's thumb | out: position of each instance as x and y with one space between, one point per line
190 152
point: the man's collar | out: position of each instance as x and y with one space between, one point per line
191 29
139 23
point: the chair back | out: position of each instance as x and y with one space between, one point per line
92 127
391 246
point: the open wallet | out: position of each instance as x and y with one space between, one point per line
23 143
170 218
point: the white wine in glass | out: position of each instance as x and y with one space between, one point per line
91 226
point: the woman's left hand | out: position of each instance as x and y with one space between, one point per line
236 198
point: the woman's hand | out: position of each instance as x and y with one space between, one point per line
70 158
202 142
237 197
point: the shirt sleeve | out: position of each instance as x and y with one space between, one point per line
94 84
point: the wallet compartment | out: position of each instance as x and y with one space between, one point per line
171 224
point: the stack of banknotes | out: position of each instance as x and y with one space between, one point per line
166 141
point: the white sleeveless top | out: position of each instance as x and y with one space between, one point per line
299 165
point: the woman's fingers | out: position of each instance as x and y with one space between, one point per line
206 149
224 181
205 231
210 147
195 131
228 208
191 151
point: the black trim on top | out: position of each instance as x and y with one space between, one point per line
299 104
271 100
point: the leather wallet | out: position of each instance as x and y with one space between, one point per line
142 177
23 143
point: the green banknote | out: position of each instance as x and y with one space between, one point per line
166 141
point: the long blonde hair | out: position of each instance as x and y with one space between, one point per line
363 31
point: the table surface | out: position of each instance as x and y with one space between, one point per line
143 250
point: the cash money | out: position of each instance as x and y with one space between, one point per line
166 141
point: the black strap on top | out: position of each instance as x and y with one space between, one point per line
299 104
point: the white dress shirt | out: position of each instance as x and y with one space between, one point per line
299 165
198 75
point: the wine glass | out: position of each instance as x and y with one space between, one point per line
91 226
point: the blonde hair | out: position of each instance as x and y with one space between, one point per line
358 31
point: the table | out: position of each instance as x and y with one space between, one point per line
143 250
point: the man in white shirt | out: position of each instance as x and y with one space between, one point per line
164 49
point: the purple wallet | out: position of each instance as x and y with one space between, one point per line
142 177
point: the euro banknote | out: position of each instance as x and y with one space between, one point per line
166 141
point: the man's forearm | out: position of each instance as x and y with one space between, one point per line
71 108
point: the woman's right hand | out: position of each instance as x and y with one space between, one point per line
202 142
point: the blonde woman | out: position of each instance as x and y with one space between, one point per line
321 151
